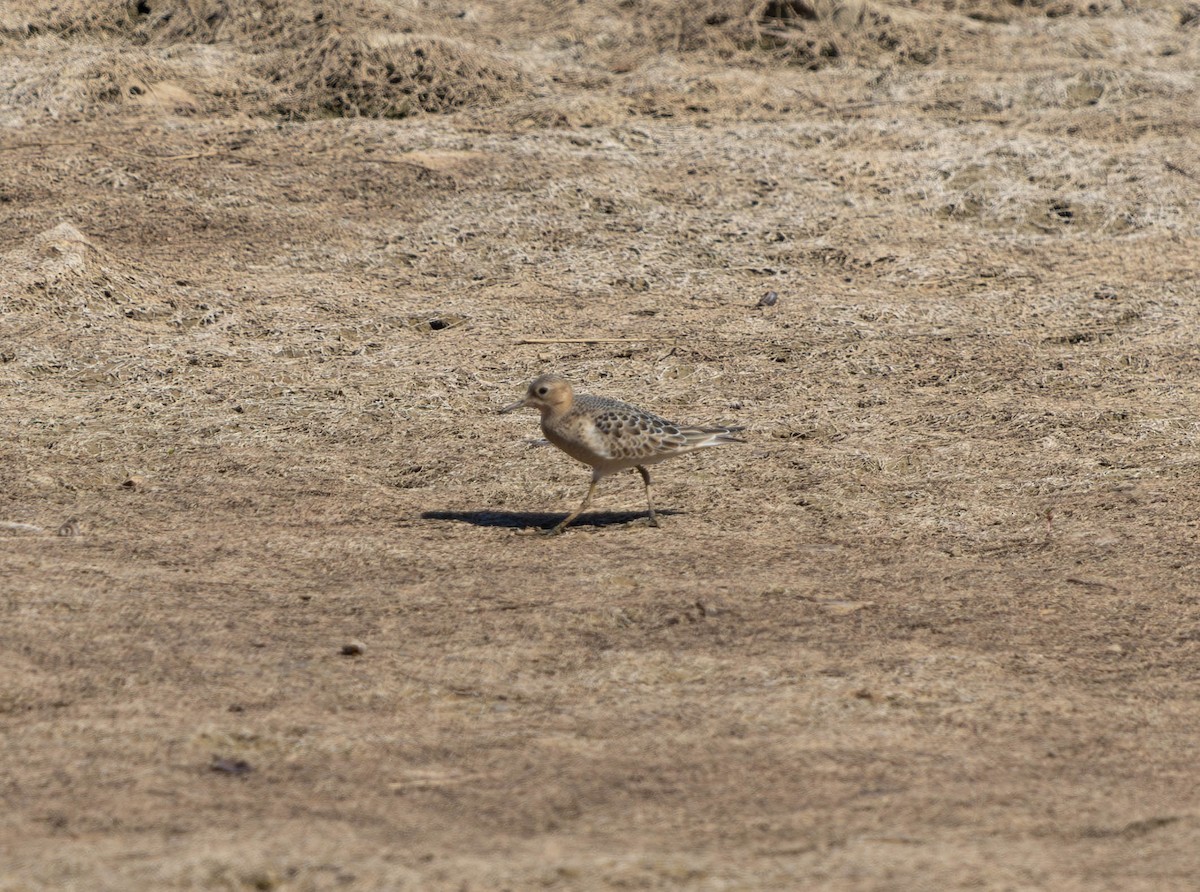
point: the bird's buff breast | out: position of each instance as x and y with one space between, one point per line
580 439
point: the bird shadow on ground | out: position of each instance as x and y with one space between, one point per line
523 519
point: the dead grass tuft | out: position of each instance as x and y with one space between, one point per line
1002 12
1046 187
361 59
61 273
805 33
389 75
69 18
86 81
246 23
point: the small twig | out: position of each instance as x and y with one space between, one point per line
430 783
1090 583
190 156
16 527
12 147
1175 168
584 340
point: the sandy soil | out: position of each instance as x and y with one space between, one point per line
269 619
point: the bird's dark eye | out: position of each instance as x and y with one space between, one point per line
542 391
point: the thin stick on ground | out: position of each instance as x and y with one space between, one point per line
584 340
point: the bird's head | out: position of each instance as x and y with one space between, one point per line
549 394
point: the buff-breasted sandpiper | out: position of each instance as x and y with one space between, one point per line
611 436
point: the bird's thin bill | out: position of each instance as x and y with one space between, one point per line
519 404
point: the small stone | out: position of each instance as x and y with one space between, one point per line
230 766
353 649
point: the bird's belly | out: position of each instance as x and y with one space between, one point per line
588 447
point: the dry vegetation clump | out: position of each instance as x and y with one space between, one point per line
301 59
85 81
389 75
1000 12
1050 187
60 273
260 26
70 18
805 33
250 24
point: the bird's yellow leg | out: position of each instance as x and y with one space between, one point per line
649 502
566 521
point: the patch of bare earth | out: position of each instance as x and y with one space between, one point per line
268 270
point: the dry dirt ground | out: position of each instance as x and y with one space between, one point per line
267 270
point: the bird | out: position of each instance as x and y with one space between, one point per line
611 436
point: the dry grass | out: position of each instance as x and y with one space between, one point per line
296 60
387 75
934 626
61 275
